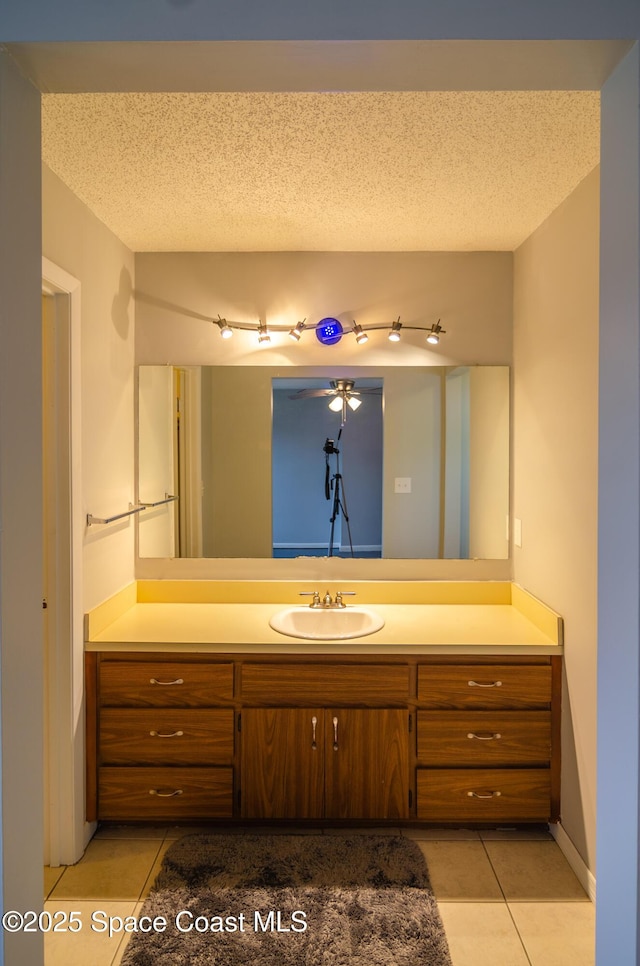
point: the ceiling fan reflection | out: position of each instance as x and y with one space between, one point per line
343 394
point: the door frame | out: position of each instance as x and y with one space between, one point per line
68 832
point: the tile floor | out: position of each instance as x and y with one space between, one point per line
507 898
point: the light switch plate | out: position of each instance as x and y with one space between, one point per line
402 484
517 532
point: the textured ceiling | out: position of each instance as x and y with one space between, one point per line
398 171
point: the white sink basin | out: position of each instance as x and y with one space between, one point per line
326 623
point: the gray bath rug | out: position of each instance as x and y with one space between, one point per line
290 900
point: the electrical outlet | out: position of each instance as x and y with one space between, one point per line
402 484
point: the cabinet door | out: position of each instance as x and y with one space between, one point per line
282 763
367 763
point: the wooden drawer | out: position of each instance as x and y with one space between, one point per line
484 738
484 795
325 684
160 684
166 737
139 794
450 686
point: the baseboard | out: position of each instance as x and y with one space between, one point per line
585 876
89 831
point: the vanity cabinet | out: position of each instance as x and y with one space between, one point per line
434 739
164 738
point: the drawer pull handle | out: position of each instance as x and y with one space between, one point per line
493 737
335 734
156 791
314 722
173 734
476 684
166 684
482 795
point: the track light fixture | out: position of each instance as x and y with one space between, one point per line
329 331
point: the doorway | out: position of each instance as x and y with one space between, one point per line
65 832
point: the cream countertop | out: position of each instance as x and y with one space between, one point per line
415 628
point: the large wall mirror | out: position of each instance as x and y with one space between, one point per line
416 468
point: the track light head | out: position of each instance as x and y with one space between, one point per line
360 334
264 336
225 329
296 331
394 334
433 335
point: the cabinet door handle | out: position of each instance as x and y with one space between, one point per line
173 734
476 684
493 737
483 795
156 791
314 722
166 684
335 734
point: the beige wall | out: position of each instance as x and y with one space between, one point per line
238 488
177 294
156 474
489 432
555 466
411 521
76 241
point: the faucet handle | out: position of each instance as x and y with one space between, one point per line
311 593
343 593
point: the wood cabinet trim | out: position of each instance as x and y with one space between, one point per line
91 735
352 685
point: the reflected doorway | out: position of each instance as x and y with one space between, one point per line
326 472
